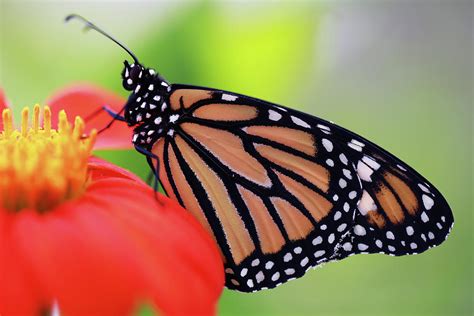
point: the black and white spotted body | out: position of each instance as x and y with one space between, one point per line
147 107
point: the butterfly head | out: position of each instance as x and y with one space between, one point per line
132 75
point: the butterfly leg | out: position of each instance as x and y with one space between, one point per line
115 115
154 168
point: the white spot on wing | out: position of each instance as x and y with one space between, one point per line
362 247
364 171
347 173
366 203
427 201
273 115
343 159
289 271
228 97
371 162
174 118
327 144
331 238
401 167
354 146
347 246
342 227
304 261
342 183
424 217
359 230
319 253
358 143
323 127
275 276
423 188
317 240
299 122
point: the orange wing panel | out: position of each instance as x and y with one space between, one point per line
293 138
271 239
237 235
188 97
296 224
311 171
226 112
229 150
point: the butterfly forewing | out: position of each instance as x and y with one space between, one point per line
282 191
400 212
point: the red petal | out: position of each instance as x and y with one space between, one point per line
3 105
84 100
101 169
181 260
80 259
19 293
117 246
3 100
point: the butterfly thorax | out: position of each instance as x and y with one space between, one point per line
147 108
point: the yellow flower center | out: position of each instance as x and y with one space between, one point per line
41 167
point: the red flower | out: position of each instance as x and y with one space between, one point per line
88 236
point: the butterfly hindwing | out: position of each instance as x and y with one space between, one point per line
282 191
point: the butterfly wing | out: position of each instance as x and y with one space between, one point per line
282 191
399 212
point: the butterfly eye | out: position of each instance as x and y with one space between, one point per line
135 73
131 75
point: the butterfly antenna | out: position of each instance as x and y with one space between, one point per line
90 25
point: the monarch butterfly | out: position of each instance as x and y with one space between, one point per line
280 191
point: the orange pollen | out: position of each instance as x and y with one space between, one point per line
41 167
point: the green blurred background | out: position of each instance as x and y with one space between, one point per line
397 72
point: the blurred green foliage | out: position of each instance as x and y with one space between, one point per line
363 65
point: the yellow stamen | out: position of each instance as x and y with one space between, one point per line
41 167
